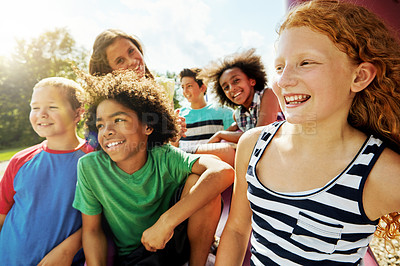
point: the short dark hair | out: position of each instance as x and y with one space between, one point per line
193 73
142 95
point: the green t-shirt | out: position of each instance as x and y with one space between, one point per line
131 203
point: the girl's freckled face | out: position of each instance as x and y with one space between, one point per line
306 82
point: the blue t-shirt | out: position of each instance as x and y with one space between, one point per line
36 194
203 123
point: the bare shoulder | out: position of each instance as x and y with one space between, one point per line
268 92
246 144
249 138
383 184
388 164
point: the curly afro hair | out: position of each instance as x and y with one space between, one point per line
142 95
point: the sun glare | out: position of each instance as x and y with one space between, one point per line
24 19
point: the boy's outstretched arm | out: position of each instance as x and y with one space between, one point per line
94 240
230 136
235 237
215 177
64 253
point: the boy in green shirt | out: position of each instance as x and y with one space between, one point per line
144 187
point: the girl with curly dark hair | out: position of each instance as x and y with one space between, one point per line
239 80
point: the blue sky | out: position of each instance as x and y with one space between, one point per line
175 33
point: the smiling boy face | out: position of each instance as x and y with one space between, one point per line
122 135
52 115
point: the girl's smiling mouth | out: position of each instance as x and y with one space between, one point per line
296 99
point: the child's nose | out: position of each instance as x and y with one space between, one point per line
43 113
109 130
287 78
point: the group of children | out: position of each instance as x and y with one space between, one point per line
316 165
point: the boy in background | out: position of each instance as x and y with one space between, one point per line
203 120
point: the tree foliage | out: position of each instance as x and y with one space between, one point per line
50 54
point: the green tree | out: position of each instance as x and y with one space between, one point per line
50 54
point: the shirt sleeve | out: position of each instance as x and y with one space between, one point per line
228 118
85 201
7 188
180 163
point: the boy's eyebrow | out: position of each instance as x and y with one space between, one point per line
37 102
113 115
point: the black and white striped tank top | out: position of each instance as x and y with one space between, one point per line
327 225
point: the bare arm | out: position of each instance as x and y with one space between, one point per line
235 237
230 136
381 192
2 218
269 108
233 127
93 239
215 177
64 253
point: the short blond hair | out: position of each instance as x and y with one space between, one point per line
72 91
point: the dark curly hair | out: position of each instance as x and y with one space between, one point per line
142 95
249 62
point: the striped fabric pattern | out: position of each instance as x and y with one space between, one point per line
325 226
202 124
199 133
203 129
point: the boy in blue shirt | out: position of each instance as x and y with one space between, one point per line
144 187
37 221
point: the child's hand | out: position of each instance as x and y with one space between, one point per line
181 124
157 236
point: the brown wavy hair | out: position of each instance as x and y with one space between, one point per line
364 37
248 61
98 64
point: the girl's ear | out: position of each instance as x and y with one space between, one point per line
365 73
148 130
252 82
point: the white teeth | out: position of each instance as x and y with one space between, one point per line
237 94
112 144
295 98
